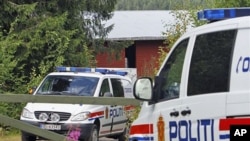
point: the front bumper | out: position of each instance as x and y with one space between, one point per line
83 131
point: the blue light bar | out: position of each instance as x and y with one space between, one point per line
82 69
103 71
223 13
107 71
73 69
122 73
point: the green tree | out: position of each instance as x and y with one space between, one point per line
44 34
156 4
231 3
36 36
142 5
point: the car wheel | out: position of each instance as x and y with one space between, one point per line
124 135
26 137
94 136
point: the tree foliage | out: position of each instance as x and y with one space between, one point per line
142 5
232 3
36 36
156 4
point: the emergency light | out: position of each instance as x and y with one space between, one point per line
73 69
223 13
83 69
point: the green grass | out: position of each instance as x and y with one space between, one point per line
15 137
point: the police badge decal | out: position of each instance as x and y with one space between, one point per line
161 127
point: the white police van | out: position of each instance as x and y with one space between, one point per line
203 86
82 121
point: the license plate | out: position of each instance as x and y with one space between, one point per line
50 126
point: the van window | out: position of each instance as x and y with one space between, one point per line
210 63
104 87
117 86
171 72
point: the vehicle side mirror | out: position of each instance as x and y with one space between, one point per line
143 89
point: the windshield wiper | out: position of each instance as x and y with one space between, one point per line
51 93
58 93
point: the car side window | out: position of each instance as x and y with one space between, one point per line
171 72
104 87
211 62
118 90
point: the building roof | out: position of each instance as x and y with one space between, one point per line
139 25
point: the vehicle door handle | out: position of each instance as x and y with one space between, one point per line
186 112
174 114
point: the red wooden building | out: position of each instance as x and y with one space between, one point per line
145 29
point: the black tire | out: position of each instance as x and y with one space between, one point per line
27 137
94 134
124 135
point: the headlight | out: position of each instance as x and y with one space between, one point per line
81 116
27 114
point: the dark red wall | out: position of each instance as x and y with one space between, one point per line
146 58
110 61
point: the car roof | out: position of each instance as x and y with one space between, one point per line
89 74
242 22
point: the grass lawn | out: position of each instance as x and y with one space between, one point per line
15 137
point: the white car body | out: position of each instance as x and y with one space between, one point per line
110 120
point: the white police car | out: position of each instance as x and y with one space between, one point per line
203 86
81 121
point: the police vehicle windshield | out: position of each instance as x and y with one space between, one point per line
68 85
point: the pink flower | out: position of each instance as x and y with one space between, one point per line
73 135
